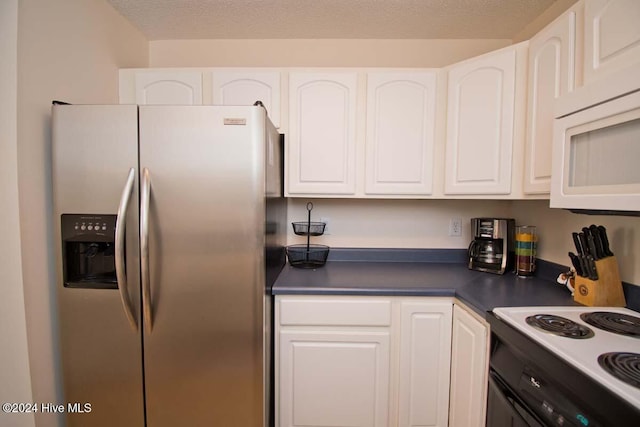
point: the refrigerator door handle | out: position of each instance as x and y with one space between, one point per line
121 275
145 197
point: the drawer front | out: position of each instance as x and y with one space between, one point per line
335 312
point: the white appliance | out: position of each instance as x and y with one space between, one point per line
583 353
564 366
596 146
169 228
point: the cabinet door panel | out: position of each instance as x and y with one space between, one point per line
425 351
334 378
612 36
322 133
245 87
480 124
551 75
469 367
400 132
169 88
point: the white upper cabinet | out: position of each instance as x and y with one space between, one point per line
245 87
400 134
168 88
552 73
203 86
612 36
322 133
480 124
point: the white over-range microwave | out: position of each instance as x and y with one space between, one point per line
596 147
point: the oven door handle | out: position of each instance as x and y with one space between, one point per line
513 404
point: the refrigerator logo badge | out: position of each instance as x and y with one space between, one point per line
235 122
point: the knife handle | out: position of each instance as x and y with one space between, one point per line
597 238
577 243
591 266
586 267
584 248
605 240
591 244
575 261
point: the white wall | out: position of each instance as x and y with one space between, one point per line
366 223
68 50
363 223
15 382
555 227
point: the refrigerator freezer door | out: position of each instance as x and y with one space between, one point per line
204 354
94 147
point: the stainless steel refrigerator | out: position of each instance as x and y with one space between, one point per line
169 230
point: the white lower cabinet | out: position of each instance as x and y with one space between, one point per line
362 361
425 354
469 369
334 378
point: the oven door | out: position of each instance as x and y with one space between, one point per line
505 408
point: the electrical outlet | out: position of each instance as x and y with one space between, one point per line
326 220
455 227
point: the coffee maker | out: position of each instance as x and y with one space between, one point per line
492 247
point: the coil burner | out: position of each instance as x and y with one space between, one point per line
559 325
624 366
617 323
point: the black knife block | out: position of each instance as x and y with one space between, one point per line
604 292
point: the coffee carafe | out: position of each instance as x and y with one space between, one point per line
492 247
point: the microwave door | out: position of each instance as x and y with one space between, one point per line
595 157
603 154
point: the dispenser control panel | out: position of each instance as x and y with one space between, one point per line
88 251
88 227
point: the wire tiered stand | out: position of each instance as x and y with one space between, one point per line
308 255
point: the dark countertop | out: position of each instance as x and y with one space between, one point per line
432 273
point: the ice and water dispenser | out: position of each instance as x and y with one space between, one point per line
88 251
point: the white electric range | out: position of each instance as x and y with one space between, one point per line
582 352
575 368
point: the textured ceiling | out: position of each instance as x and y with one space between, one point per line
322 19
